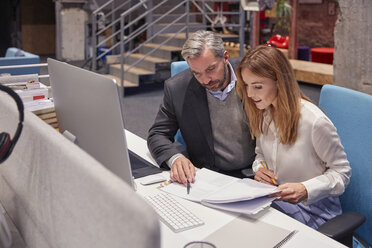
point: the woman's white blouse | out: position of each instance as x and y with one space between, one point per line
317 158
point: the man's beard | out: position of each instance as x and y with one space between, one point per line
219 83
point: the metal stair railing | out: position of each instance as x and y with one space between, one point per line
153 36
100 12
128 32
127 51
205 11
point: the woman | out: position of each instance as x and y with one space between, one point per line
297 145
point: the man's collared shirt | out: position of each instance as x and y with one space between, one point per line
222 95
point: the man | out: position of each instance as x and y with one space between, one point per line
203 104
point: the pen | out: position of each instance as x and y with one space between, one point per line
272 179
188 187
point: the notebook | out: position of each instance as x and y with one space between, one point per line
247 232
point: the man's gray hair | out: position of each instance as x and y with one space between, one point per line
198 41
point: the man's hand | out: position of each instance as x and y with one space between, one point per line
291 192
182 170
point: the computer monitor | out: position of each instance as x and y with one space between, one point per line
89 113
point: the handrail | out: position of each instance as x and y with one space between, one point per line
153 50
117 8
126 40
122 57
146 12
96 33
157 20
136 6
127 26
23 66
102 7
26 66
108 38
113 21
202 11
148 40
108 26
107 51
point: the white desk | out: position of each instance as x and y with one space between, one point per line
215 219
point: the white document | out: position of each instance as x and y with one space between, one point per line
225 192
39 105
241 190
206 182
249 207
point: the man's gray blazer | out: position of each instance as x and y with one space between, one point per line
184 107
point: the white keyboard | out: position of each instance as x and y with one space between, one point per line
172 213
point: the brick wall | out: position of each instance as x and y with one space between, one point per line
316 23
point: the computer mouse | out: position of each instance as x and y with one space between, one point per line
151 179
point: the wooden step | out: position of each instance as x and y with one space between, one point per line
149 63
164 47
180 38
183 35
159 67
135 75
126 82
134 70
154 68
153 64
171 53
193 26
170 4
171 17
148 58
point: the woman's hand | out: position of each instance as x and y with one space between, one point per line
265 176
291 192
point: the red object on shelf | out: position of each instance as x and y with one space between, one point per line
322 55
279 41
263 19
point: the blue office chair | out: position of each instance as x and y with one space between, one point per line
177 67
351 113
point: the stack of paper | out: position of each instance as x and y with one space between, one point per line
29 90
33 94
44 109
217 190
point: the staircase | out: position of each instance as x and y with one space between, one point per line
166 31
151 69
